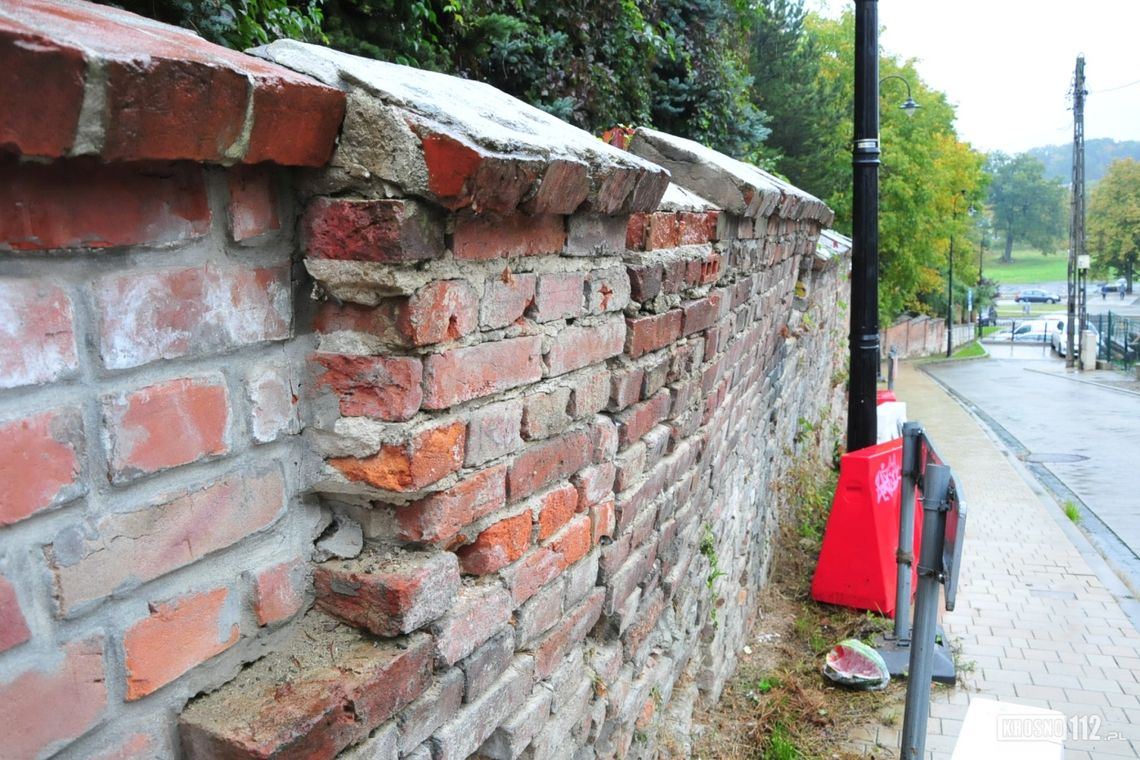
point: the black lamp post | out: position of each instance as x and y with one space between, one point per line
864 338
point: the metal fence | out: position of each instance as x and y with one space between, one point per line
1119 339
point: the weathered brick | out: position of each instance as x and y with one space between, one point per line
461 736
607 290
664 231
573 541
13 626
645 280
83 204
582 576
426 458
462 374
676 273
77 680
652 332
635 230
134 747
167 314
497 546
420 719
493 431
484 666
575 625
604 434
483 237
295 120
702 313
327 691
383 742
439 518
37 336
625 386
279 592
272 398
558 296
440 311
34 68
594 484
40 463
595 235
543 463
380 387
697 227
537 570
505 299
178 635
555 509
539 614
589 393
638 419
510 739
564 187
253 202
131 547
579 345
388 596
630 465
390 231
544 414
648 613
478 612
165 425
603 519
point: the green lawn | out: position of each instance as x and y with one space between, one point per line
1029 266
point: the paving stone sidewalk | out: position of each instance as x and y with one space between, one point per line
1040 619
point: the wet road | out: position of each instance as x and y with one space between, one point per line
1078 432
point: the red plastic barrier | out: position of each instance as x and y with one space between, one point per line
857 565
882 396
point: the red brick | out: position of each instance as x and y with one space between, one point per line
602 520
272 402
439 518
564 187
295 119
279 592
462 374
150 315
134 747
177 636
497 546
580 345
484 237
428 457
451 167
559 296
546 462
326 693
493 431
388 597
530 574
555 509
638 419
701 314
478 613
37 339
607 290
40 463
625 387
440 311
652 332
13 626
645 281
82 204
544 414
664 231
573 542
594 484
505 298
35 69
134 547
380 387
604 435
575 624
676 275
165 425
253 202
390 231
635 231
76 686
710 269
589 393
697 227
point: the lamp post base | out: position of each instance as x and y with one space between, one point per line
897 657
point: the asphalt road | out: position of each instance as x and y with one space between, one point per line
1078 432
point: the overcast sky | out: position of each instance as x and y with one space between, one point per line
1007 65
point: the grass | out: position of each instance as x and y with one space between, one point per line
1072 511
969 351
778 706
1029 266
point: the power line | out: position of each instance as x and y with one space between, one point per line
1114 89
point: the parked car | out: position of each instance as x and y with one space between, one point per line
1058 335
1037 296
988 318
1030 331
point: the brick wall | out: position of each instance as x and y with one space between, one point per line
414 442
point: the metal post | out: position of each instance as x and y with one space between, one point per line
912 442
892 367
934 494
950 303
864 336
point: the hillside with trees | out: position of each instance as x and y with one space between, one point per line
1100 154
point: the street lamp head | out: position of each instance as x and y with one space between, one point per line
909 107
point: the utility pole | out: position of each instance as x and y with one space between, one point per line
864 337
1077 284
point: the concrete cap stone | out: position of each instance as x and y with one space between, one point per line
465 144
732 185
677 198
